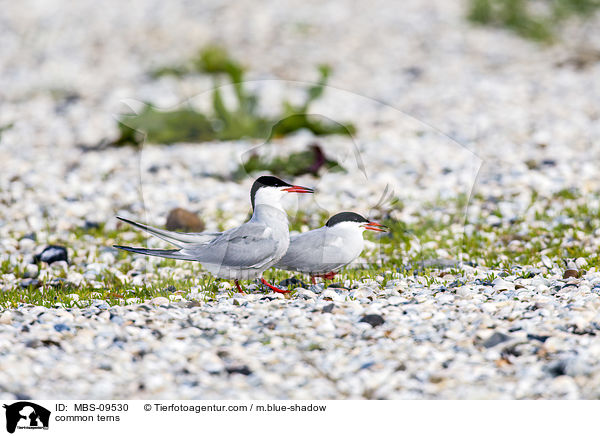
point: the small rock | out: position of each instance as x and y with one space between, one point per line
547 262
159 301
495 339
61 327
30 236
328 309
502 285
293 282
184 220
363 292
373 319
52 253
6 317
31 271
537 337
557 368
30 283
580 262
244 370
91 225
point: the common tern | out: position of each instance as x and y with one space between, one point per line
241 253
323 251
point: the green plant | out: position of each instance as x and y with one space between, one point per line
309 161
225 123
537 20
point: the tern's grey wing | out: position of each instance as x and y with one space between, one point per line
250 245
305 252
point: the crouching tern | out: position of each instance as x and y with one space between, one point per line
323 251
241 253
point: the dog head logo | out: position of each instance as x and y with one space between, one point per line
26 415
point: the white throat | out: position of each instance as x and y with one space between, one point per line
269 196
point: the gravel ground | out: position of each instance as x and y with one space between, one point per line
520 140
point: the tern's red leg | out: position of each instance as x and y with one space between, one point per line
313 280
273 288
328 276
239 287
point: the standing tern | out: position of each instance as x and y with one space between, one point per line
241 253
323 251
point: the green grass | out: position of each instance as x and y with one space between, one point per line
539 20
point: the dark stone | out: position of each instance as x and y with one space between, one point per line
61 327
170 288
337 285
328 308
571 273
267 298
244 370
367 365
537 337
91 225
557 368
52 253
293 282
401 367
373 319
184 220
414 72
26 283
495 339
31 236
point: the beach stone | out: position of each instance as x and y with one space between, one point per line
495 339
160 301
31 271
6 317
51 254
373 319
570 273
183 220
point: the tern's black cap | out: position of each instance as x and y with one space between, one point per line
344 217
263 181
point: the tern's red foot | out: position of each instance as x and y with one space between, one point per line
328 276
273 288
313 280
241 291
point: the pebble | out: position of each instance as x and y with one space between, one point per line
183 220
51 254
6 317
570 273
160 301
373 319
495 339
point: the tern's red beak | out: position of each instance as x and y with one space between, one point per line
376 227
299 189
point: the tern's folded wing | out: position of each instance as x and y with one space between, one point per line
251 245
305 251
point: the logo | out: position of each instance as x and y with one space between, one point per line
26 415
